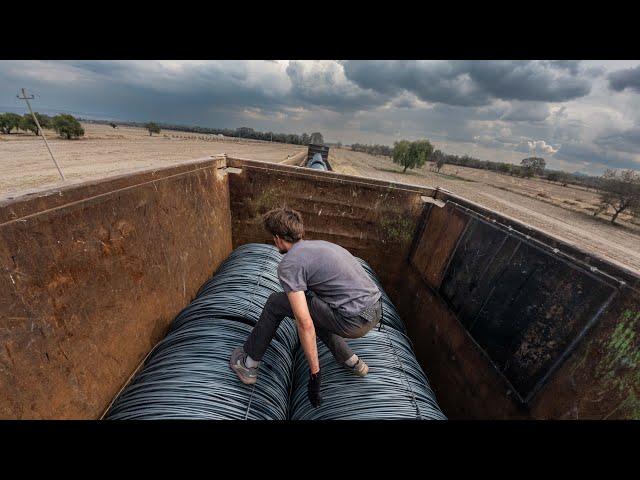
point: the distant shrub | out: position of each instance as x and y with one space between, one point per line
153 128
9 121
67 126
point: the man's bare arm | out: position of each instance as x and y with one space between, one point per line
306 330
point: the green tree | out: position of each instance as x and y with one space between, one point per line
44 120
244 132
305 138
153 128
316 138
535 165
9 121
401 153
67 126
504 168
28 124
412 154
620 191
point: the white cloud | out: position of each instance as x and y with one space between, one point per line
541 146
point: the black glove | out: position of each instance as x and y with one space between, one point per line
313 389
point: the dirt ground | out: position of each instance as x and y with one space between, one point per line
562 211
103 152
565 212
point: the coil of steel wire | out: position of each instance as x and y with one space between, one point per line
395 388
188 377
239 290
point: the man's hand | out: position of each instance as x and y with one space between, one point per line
306 331
313 389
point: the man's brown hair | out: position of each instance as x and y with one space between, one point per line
284 222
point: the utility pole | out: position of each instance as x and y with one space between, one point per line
35 119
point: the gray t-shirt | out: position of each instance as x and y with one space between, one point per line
330 272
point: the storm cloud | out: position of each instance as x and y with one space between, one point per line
580 115
471 83
627 78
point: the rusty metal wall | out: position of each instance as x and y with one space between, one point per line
374 220
91 276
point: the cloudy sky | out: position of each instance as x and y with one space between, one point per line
579 115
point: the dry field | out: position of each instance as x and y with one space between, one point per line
562 211
103 152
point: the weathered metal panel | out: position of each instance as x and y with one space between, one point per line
537 307
523 305
601 379
466 385
440 236
481 256
89 285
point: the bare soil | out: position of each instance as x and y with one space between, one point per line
104 151
565 212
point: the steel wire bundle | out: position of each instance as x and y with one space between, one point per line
395 388
188 377
239 290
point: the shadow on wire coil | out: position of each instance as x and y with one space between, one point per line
395 388
187 375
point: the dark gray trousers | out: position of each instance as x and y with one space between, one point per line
330 325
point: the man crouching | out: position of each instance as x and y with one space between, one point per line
326 290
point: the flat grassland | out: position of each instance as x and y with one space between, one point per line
565 212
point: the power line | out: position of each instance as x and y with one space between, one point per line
26 99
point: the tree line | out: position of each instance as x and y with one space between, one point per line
241 132
376 150
66 126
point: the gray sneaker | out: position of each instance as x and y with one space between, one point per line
246 375
360 368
